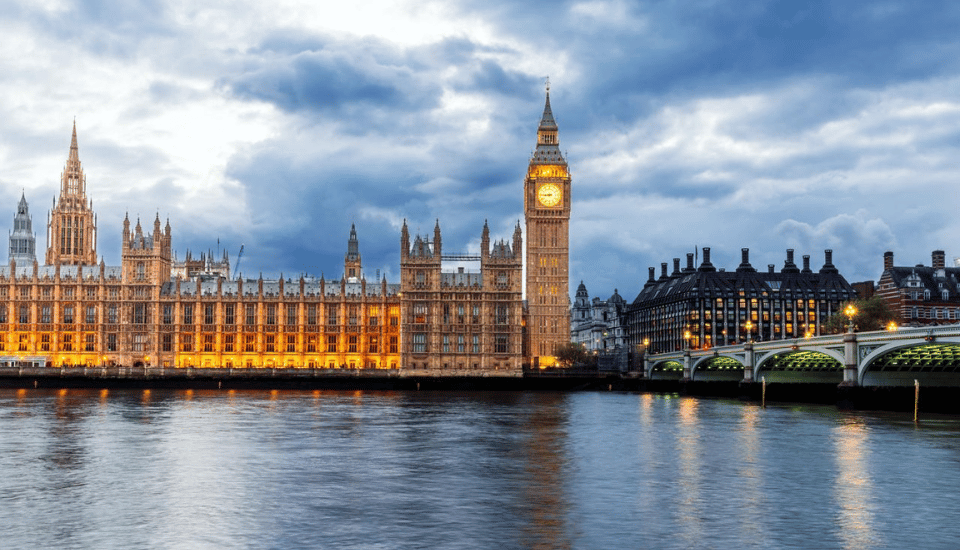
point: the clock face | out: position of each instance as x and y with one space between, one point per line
549 194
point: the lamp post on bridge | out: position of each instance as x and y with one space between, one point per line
850 349
642 352
850 311
748 353
686 355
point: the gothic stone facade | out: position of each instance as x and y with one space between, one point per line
459 319
153 311
546 202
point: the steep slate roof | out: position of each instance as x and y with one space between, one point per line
728 284
928 279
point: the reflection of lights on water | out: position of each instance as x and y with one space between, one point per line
749 471
688 447
854 488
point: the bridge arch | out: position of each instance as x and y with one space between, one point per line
810 365
932 361
719 367
668 369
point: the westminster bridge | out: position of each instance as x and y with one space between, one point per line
903 357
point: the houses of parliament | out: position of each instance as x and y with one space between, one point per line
155 311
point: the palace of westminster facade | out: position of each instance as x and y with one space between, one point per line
154 311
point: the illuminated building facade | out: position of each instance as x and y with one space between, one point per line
715 306
546 203
153 310
463 320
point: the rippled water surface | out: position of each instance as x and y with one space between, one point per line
180 469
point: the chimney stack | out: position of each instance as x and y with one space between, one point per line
789 266
939 259
887 260
706 265
690 262
745 261
828 266
806 263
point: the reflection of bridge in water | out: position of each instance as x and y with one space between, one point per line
930 355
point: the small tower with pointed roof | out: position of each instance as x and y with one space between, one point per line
72 225
352 267
23 242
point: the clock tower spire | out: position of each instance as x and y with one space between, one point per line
546 202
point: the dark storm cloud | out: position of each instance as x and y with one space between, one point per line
367 82
769 124
321 81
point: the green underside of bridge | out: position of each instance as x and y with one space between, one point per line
720 364
809 361
926 358
929 358
669 366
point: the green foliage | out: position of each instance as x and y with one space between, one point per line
872 314
570 354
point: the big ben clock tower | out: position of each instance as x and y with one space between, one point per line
546 205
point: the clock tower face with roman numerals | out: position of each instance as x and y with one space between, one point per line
547 212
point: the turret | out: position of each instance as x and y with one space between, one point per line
352 267
23 241
517 240
485 240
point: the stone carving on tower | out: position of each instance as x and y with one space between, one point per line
547 213
23 242
72 226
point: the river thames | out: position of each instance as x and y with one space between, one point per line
372 470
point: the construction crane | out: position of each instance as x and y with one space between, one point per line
236 268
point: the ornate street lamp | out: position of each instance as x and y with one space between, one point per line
850 311
749 327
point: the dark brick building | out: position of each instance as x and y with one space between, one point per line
922 294
715 305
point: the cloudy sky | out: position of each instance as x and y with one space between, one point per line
721 123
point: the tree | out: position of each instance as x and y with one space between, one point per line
872 314
570 354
